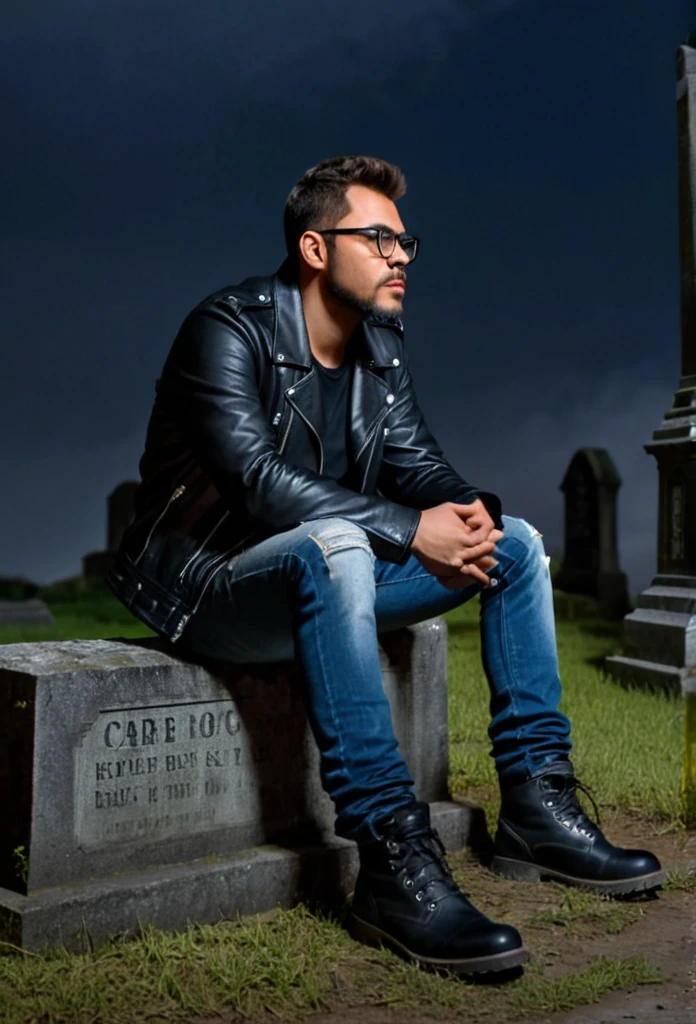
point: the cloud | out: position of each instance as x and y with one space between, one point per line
159 44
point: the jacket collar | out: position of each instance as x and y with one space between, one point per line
375 347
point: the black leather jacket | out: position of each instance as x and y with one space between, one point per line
233 449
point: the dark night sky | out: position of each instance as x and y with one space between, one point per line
150 147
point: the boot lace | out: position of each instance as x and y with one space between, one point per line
423 854
569 808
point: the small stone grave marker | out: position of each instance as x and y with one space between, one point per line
119 514
30 612
591 562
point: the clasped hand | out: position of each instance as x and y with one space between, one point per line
455 543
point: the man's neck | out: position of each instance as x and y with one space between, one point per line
330 325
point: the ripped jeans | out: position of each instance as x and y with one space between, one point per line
317 593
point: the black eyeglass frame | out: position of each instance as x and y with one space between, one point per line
376 233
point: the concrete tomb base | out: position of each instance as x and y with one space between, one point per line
136 787
659 637
82 917
30 612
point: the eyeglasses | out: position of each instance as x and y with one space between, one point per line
386 240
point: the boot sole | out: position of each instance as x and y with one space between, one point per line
369 935
521 871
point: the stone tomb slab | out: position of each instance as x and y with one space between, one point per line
83 917
30 612
116 756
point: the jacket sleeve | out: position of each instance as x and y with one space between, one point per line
210 384
414 469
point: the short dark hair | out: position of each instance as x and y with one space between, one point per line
318 200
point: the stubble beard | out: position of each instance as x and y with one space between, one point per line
348 298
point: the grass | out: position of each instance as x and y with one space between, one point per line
283 967
627 748
681 880
286 968
583 913
82 610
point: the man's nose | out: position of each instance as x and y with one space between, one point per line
399 258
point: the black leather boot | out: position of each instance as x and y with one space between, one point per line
543 833
406 898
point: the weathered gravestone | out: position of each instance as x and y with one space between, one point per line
19 606
30 612
660 635
136 787
119 514
591 563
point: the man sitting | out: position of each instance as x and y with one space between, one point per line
294 504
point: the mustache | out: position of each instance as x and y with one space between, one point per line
395 277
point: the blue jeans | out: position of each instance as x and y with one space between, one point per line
318 594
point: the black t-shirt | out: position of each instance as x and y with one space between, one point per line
335 393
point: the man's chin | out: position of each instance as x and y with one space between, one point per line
394 307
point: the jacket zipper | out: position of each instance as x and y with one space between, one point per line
181 625
372 452
287 431
177 494
367 439
198 550
218 565
311 427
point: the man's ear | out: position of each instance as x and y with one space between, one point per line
313 250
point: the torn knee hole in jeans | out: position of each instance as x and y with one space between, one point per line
534 532
546 559
332 541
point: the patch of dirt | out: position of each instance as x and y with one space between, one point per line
666 936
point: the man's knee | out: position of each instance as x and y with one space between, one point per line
334 535
525 534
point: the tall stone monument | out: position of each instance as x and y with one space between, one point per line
119 513
660 635
591 561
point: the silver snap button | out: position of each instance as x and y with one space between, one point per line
262 298
138 586
494 583
390 399
291 391
281 357
395 362
386 431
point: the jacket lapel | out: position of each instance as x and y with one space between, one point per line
368 401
